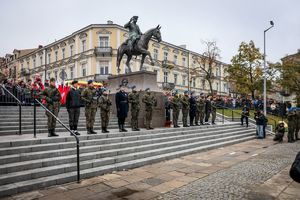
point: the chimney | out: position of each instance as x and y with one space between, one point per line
109 22
40 46
183 46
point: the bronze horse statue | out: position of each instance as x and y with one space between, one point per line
140 47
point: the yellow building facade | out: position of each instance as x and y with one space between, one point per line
91 52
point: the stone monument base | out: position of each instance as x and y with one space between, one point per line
142 80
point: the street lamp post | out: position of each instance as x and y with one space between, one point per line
265 70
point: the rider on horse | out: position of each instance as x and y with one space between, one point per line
134 32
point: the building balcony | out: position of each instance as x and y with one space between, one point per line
103 51
25 72
168 64
168 86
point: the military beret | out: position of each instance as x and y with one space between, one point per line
90 81
74 82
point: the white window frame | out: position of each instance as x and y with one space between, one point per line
63 53
71 50
175 59
82 68
34 63
106 43
72 67
49 58
166 74
83 45
166 54
41 60
184 61
155 54
105 65
184 77
56 56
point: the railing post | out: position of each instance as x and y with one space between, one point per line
20 120
78 162
34 118
231 115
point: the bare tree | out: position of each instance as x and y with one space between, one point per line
208 60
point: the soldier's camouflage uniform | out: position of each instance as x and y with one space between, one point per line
89 96
134 100
52 97
200 111
185 109
104 104
175 104
150 103
213 111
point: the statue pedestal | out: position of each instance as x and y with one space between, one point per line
142 80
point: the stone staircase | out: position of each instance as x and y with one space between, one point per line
9 120
28 164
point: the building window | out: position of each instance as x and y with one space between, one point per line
55 75
72 72
56 55
83 70
83 45
104 41
183 80
34 63
224 87
63 53
41 60
217 86
175 59
103 67
165 55
49 58
193 82
165 77
183 62
28 65
155 54
175 79
71 50
203 84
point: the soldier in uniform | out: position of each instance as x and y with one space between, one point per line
207 109
104 104
52 97
213 110
193 109
89 96
185 108
73 106
175 104
134 100
122 107
200 110
150 102
134 32
291 117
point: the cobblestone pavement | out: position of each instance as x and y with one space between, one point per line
243 180
253 170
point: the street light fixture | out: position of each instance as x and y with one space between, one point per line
265 70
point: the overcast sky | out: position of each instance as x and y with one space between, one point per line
28 23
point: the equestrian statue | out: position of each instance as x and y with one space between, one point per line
137 43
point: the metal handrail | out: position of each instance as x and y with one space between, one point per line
72 133
20 108
233 111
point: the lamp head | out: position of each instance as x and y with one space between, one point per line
272 23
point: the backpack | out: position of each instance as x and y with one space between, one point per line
295 169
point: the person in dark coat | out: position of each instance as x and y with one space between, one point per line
122 107
193 109
73 106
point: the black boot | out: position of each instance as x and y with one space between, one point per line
120 128
53 134
92 131
49 133
123 129
75 130
106 131
88 130
103 130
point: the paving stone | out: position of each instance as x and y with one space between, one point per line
153 181
116 183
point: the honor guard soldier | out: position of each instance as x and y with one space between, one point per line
122 107
73 106
89 96
175 105
193 109
200 109
134 100
213 110
104 104
185 108
52 97
150 102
